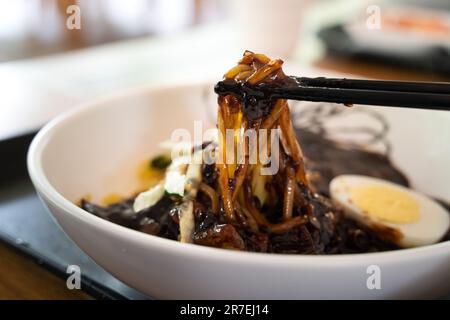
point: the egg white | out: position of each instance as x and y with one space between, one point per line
429 228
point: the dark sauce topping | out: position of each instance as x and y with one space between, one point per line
326 159
257 100
327 231
210 174
157 220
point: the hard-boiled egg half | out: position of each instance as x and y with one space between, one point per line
396 213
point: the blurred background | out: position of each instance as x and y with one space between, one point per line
30 28
56 54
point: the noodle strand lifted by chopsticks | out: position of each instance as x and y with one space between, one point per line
223 169
234 178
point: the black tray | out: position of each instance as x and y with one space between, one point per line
26 225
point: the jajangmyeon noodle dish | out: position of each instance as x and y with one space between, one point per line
263 191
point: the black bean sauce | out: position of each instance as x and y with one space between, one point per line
327 232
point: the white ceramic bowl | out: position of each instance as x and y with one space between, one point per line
96 148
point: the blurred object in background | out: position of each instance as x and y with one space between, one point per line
38 27
268 26
437 4
408 34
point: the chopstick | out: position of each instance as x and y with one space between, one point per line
403 86
420 95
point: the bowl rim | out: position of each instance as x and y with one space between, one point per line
50 194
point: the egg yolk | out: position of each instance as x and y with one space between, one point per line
386 203
111 198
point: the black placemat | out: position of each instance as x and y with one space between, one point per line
26 225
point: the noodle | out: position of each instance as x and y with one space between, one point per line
289 195
252 115
294 147
211 193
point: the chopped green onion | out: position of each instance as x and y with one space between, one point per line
160 162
